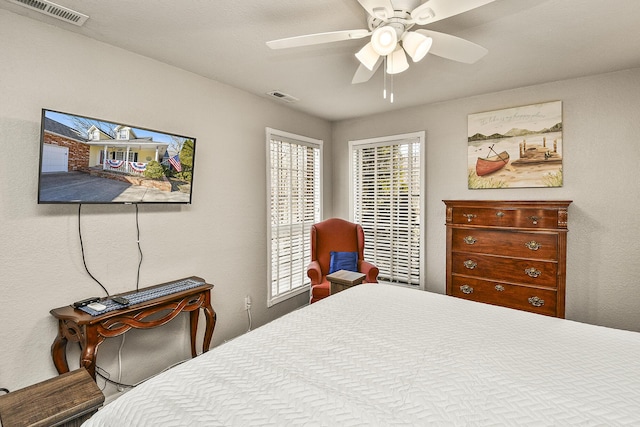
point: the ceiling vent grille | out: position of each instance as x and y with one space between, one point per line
48 8
282 96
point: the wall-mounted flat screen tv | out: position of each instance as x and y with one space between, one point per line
89 160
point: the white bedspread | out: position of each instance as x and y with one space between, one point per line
385 355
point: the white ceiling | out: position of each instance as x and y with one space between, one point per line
529 42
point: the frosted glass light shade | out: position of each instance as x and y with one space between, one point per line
416 45
384 40
397 62
368 56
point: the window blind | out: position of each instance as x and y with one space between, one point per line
295 204
387 203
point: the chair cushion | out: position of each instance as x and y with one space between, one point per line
343 261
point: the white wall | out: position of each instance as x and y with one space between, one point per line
220 237
601 150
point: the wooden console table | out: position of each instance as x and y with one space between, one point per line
90 331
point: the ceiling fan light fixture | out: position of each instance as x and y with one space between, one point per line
397 62
368 56
416 45
384 40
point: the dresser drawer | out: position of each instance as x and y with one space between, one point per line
531 272
496 217
542 301
508 243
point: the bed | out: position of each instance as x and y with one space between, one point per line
386 355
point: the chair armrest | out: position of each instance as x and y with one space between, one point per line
370 270
314 273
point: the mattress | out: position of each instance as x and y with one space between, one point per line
382 355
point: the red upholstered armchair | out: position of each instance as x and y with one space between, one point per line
335 235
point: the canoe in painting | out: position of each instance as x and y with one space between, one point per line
490 164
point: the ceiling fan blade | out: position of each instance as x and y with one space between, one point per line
381 9
435 10
363 74
454 48
318 38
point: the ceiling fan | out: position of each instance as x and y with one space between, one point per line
390 25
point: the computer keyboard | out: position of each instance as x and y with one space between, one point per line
145 295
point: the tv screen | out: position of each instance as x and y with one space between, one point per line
88 160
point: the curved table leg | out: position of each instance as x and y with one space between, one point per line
210 315
193 317
59 350
89 346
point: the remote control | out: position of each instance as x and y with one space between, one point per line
84 302
96 306
121 300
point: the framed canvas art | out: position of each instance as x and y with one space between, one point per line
516 147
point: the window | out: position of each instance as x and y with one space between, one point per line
294 204
387 200
120 155
123 133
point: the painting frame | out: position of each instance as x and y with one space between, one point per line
517 147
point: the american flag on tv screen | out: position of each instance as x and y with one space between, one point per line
175 162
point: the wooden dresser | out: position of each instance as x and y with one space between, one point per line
508 253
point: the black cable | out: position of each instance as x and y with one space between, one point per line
107 376
5 390
109 380
139 249
82 249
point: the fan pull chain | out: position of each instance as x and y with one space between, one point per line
384 78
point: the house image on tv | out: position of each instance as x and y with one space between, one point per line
126 153
66 149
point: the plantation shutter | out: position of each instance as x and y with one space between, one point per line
295 205
387 203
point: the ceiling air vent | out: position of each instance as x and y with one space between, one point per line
282 96
48 8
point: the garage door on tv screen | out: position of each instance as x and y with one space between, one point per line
88 160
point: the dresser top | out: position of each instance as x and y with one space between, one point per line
514 204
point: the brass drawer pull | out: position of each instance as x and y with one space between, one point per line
499 288
536 302
532 272
533 245
470 240
534 219
466 289
470 264
469 217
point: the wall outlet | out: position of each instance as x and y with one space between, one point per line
247 302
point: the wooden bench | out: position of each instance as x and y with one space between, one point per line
66 400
